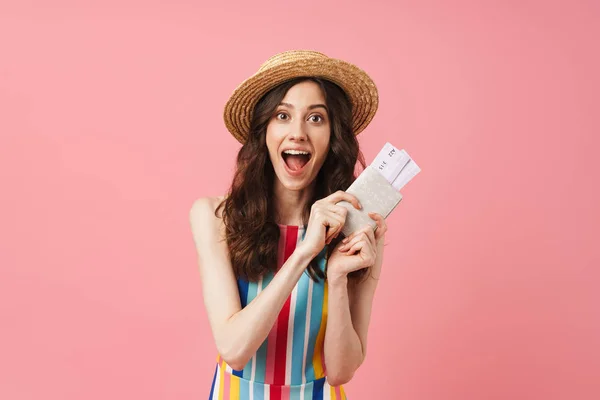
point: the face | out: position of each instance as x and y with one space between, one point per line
298 136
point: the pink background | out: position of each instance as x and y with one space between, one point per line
111 125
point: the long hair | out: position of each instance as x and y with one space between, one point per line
251 231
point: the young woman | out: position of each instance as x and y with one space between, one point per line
289 301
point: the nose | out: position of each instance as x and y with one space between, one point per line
297 131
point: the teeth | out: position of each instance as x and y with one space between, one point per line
296 152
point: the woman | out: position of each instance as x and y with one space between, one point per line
287 299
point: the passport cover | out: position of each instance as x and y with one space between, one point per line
375 194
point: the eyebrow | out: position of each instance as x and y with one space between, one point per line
313 106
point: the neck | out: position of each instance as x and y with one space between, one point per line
290 204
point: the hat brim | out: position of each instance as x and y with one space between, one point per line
357 84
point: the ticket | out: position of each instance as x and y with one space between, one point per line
390 161
406 174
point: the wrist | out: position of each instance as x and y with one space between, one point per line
304 253
336 279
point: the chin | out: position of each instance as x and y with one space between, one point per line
295 184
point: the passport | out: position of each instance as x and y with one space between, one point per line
375 194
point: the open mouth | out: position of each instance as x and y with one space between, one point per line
295 160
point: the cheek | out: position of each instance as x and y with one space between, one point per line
323 146
274 132
273 141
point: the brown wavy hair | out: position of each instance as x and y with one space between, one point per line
252 233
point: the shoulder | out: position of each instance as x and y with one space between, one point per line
204 209
206 204
203 216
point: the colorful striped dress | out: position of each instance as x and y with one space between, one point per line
289 365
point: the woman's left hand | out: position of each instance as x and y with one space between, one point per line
357 251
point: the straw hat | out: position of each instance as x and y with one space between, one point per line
282 67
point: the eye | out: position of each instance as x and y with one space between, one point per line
316 116
279 114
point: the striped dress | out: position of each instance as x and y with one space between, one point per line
289 365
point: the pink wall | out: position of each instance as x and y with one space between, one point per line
110 126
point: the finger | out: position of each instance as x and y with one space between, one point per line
351 247
342 212
371 235
326 222
332 227
340 195
353 234
365 252
381 225
350 238
378 218
357 238
335 222
335 233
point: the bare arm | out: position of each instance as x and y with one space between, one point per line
348 321
350 304
343 346
230 324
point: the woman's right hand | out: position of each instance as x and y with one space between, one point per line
326 221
